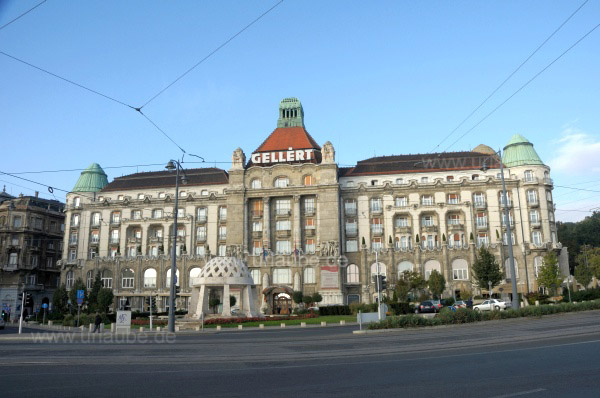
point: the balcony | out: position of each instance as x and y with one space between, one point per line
257 234
222 237
456 227
512 224
10 267
283 212
134 240
201 237
531 181
403 229
283 233
480 205
95 242
535 223
376 210
156 239
350 211
376 230
481 224
222 218
351 230
505 205
429 228
310 231
114 241
309 211
533 203
548 181
115 222
257 213
72 242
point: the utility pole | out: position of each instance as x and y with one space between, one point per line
21 316
378 288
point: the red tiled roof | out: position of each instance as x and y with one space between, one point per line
282 138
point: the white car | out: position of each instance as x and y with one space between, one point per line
493 304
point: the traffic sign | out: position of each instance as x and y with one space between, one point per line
44 305
80 294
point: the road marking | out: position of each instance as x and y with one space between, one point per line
516 394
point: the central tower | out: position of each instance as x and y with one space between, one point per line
291 113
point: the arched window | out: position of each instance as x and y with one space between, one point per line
255 184
507 268
460 270
382 269
168 284
70 280
127 278
281 182
107 279
538 262
309 275
352 274
195 276
89 279
150 278
430 266
404 266
95 219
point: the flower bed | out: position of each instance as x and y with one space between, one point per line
464 315
224 321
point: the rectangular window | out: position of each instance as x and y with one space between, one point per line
309 246
482 239
127 283
201 250
460 274
201 233
73 238
404 242
34 260
222 213
352 245
72 254
282 275
180 212
95 237
49 262
531 196
309 206
13 258
257 249
481 220
427 200
453 199
257 226
282 207
479 199
376 226
136 214
257 208
427 221
351 227
401 222
283 225
114 236
376 205
157 213
401 201
222 250
453 219
115 217
75 220
376 244
222 232
309 223
536 238
350 207
201 213
17 222
283 247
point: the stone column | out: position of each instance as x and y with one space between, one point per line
267 222
226 307
297 226
245 232
246 300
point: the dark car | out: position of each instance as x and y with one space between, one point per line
428 306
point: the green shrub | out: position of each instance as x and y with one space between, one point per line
401 308
584 295
465 315
362 307
335 310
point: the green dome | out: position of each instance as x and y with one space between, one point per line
519 152
92 179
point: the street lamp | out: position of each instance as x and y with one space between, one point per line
174 165
511 257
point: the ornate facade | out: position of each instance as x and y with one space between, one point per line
300 222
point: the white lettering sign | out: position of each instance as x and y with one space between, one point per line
291 155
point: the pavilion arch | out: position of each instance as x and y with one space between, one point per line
431 265
382 269
150 278
194 276
403 266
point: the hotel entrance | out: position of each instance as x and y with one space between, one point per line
282 304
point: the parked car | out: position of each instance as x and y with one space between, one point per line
438 304
460 304
492 304
428 306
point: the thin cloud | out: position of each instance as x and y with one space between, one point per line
577 152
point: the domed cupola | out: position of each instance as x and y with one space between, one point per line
92 179
519 152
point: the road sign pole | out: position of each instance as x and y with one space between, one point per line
21 316
150 300
78 313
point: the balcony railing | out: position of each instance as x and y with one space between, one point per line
376 210
548 181
351 231
257 213
535 223
309 211
350 211
480 205
283 212
531 180
376 229
114 241
403 229
456 227
481 224
533 203
201 219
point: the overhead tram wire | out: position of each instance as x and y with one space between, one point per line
23 14
523 86
510 76
213 52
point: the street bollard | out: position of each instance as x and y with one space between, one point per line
218 328
82 328
197 328
141 329
342 322
112 327
537 303
323 323
283 325
91 327
50 323
261 326
101 328
302 324
177 328
240 327
158 328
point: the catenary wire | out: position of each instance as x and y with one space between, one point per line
509 76
211 53
23 14
523 86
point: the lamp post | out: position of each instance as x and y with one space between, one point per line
174 165
511 257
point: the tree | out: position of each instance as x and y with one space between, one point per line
105 300
93 296
78 285
403 287
232 301
307 300
583 275
213 303
486 269
576 235
549 273
465 294
436 283
297 296
317 298
60 300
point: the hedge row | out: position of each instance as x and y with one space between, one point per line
223 321
335 310
465 315
583 295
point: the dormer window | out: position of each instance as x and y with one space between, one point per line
374 182
350 184
120 197
141 196
399 181
424 180
255 184
161 195
183 194
529 175
77 202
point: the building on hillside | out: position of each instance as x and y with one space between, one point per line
302 223
31 238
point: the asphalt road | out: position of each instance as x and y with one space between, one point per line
553 356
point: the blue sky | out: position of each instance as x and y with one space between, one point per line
377 77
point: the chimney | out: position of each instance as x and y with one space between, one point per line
37 194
